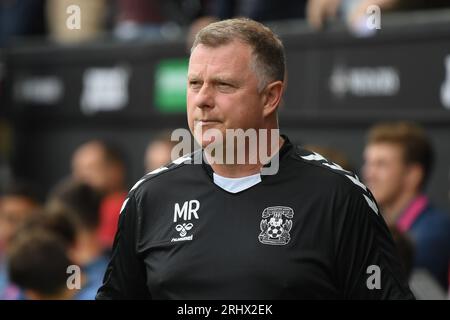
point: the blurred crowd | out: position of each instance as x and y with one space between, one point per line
76 224
175 19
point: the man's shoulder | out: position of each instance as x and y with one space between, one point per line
165 173
330 176
319 167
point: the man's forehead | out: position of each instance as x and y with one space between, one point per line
216 73
386 145
220 68
225 54
385 150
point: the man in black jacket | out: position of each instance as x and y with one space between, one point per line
290 226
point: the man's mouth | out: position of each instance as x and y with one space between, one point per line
205 122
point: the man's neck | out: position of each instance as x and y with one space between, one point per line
394 210
246 169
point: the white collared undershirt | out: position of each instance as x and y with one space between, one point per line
235 185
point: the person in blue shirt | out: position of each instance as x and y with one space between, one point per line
18 202
37 264
398 162
81 204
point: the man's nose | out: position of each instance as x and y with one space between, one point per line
205 97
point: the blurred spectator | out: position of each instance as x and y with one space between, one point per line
102 166
17 202
354 12
320 12
59 225
398 160
333 155
20 18
136 18
93 17
260 10
421 282
158 152
82 203
38 262
57 222
154 19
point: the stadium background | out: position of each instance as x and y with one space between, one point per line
56 96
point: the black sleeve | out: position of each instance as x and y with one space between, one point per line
367 263
125 276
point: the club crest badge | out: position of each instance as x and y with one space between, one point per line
275 225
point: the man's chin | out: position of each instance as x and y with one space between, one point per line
208 140
209 144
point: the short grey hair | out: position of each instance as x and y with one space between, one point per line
269 61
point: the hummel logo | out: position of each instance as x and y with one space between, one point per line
183 228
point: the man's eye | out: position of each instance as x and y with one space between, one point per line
225 86
195 84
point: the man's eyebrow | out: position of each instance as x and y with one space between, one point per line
225 79
193 77
215 79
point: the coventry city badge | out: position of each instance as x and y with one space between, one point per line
275 231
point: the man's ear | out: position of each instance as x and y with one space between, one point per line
272 97
415 176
